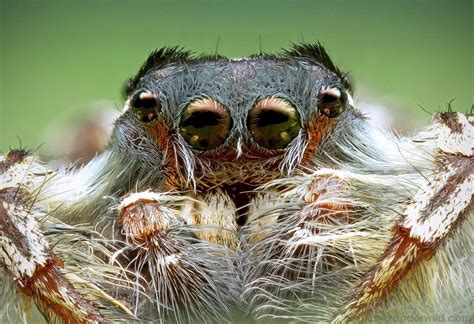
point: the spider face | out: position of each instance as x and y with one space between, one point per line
229 126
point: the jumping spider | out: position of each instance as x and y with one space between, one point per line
243 188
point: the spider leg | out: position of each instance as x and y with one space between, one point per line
187 275
47 261
25 255
303 249
430 218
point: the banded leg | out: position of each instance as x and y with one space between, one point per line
433 216
32 272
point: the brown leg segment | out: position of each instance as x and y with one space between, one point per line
37 272
25 255
433 214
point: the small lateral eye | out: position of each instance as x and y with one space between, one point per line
205 124
329 102
145 106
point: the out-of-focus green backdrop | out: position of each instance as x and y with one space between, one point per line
58 56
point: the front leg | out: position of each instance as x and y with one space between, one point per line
186 261
430 253
36 272
317 243
30 270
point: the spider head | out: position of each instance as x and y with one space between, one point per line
206 122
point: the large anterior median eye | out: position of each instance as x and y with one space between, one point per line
145 106
205 124
273 122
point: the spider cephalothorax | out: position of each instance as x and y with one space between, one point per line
251 187
229 125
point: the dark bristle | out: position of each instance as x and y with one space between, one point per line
264 56
158 59
315 53
211 57
164 56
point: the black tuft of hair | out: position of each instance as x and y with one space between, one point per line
210 57
157 59
315 53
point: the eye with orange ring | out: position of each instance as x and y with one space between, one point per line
205 124
273 122
330 103
145 106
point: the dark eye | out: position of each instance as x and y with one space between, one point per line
205 124
273 122
329 102
145 106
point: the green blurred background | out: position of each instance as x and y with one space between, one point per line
62 56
